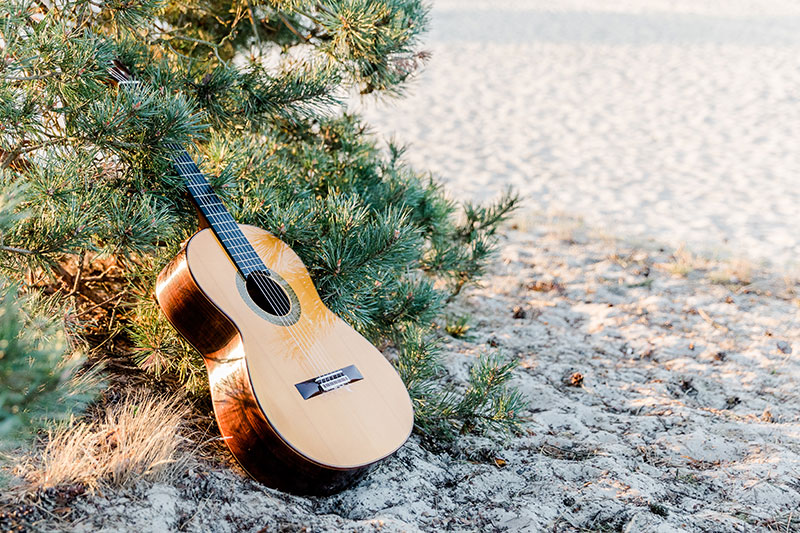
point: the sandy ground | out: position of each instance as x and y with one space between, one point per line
687 417
678 120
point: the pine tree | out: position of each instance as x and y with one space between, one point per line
254 89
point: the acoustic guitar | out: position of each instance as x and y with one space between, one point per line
303 401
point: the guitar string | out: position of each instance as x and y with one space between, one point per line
194 179
268 291
122 78
249 262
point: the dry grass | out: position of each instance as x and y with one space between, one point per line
734 272
574 453
138 438
682 262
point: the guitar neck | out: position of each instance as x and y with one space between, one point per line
222 223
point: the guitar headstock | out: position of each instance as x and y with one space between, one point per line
120 74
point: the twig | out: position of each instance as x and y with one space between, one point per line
291 27
12 154
309 17
101 275
92 308
13 161
69 280
111 320
325 9
30 78
81 261
199 508
42 508
253 23
16 250
710 320
211 45
190 58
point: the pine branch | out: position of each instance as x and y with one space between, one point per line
15 250
31 78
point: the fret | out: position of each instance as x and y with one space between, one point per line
214 203
231 244
243 257
242 248
225 215
245 254
238 251
239 260
245 244
218 216
207 192
209 204
255 263
249 256
216 209
249 263
221 217
234 231
226 227
232 236
209 199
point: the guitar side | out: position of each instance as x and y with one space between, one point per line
279 437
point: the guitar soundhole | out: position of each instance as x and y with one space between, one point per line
267 294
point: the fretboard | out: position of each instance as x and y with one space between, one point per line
222 223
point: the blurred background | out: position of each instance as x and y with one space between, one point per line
677 121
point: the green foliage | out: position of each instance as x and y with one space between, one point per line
252 87
488 402
457 327
460 251
37 382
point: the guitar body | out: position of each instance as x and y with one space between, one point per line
304 402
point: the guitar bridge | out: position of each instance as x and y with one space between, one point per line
328 382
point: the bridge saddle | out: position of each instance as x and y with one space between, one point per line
328 382
332 380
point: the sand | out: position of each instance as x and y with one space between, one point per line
687 417
673 120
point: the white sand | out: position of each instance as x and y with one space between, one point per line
672 120
688 418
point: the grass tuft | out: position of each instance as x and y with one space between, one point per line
138 438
